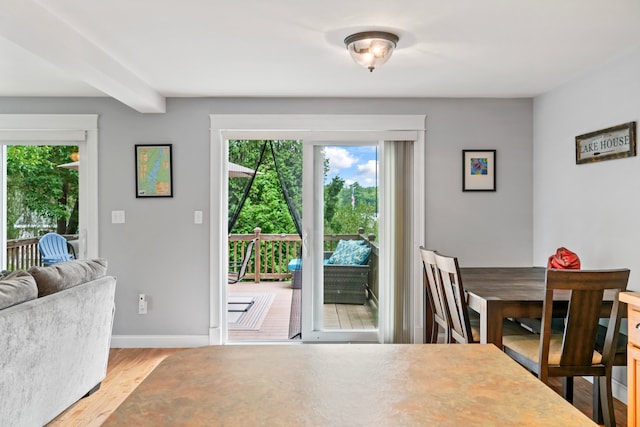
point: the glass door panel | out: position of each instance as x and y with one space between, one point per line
340 225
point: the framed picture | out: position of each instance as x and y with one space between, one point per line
615 142
153 170
478 170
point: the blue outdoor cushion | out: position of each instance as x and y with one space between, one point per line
346 245
350 252
295 264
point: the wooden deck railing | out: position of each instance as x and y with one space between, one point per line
23 254
273 252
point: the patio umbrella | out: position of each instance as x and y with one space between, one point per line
238 171
72 165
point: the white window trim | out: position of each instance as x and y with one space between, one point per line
74 129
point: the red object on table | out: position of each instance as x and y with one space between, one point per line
564 259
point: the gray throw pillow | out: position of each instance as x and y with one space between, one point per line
17 287
68 274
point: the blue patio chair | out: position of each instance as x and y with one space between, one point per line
54 249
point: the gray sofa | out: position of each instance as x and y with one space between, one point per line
55 347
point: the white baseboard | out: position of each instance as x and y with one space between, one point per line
158 341
215 336
618 389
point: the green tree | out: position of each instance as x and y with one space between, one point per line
265 206
331 200
357 208
38 189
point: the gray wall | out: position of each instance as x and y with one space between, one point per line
589 208
160 252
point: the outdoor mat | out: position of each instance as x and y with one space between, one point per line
240 303
252 318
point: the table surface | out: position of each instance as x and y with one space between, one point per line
506 283
344 384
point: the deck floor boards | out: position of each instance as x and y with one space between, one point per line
276 324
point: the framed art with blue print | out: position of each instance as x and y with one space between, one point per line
478 170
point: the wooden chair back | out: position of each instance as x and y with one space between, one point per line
455 299
587 289
435 295
572 353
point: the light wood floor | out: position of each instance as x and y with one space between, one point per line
128 367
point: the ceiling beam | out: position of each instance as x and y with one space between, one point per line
36 29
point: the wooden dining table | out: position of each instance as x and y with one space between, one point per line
500 292
497 293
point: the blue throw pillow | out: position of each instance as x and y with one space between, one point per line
360 256
348 244
342 252
350 252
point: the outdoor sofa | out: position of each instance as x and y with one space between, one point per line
346 273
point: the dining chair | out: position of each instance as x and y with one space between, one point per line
463 329
619 358
572 352
435 298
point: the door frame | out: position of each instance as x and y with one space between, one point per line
58 129
225 127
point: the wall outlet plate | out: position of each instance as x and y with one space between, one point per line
142 304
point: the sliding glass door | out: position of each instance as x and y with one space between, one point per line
393 288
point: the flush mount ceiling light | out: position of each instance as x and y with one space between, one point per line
371 48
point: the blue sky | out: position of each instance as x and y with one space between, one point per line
353 164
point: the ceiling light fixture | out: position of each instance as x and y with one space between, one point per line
371 48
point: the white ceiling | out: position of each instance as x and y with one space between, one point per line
142 51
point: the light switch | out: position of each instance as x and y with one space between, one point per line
197 217
117 217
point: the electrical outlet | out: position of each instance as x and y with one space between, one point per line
142 304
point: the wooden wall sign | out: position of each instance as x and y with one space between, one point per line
612 143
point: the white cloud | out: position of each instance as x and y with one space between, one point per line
369 168
367 173
339 158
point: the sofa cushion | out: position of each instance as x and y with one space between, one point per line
347 244
17 287
68 274
350 252
295 264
